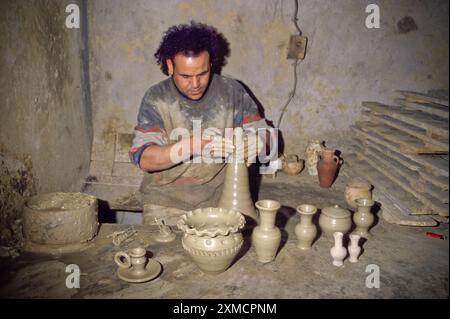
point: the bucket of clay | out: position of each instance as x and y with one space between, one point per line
56 223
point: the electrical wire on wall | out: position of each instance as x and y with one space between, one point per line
295 64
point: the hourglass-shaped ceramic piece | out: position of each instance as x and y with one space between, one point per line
338 252
135 267
305 231
353 249
363 217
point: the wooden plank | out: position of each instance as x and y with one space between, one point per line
395 209
436 164
438 143
419 97
412 177
394 155
438 181
431 108
441 209
408 143
431 123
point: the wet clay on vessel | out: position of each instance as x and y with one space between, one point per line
56 223
334 219
266 236
135 267
212 237
236 191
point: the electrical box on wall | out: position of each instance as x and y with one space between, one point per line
297 47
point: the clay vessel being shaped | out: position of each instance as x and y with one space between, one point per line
212 237
266 237
305 231
338 252
236 192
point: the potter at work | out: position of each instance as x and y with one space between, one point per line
198 101
185 151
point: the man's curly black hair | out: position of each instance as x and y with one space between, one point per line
189 40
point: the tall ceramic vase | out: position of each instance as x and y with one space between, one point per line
306 231
236 192
327 167
266 237
363 217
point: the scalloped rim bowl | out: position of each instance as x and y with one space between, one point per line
211 222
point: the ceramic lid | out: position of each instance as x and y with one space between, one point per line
336 212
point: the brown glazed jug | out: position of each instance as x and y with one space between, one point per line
327 167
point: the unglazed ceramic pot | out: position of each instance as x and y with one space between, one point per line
56 223
363 217
305 231
357 189
338 252
236 191
327 167
334 219
312 156
212 237
292 164
266 237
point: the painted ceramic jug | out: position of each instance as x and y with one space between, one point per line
312 156
356 189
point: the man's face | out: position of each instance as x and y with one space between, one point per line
191 74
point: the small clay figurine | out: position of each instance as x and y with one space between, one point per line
165 235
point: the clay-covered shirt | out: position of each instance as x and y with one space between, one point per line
225 104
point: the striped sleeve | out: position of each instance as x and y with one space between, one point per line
149 130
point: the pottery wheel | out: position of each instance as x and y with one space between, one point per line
152 270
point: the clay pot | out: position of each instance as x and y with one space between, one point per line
312 156
266 237
305 231
327 167
356 189
212 237
334 219
56 223
338 252
292 165
363 217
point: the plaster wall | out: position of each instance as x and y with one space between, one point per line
45 127
346 62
